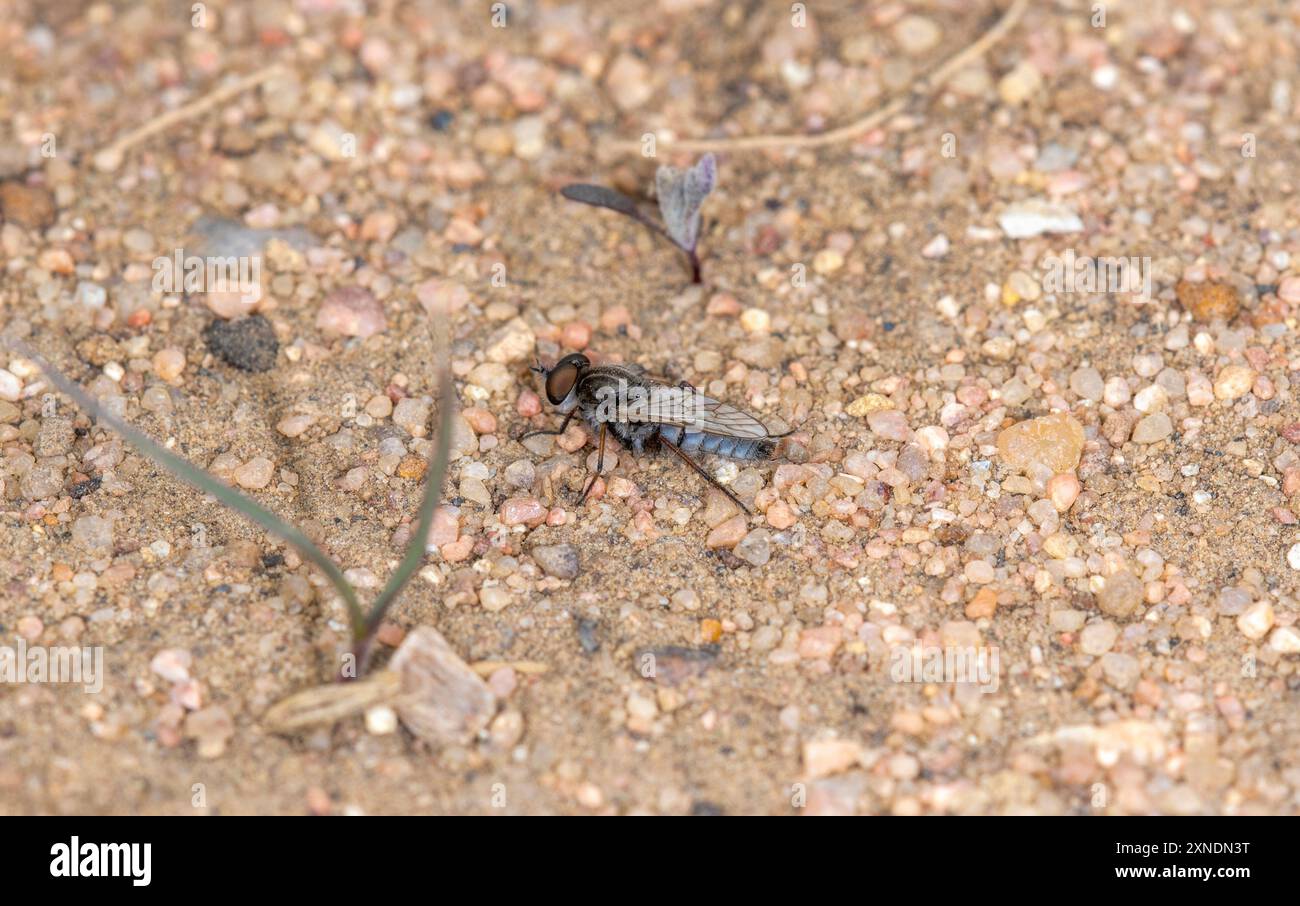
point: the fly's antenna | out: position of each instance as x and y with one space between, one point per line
537 367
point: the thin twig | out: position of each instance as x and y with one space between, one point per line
925 86
110 158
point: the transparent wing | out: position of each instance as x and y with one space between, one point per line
690 409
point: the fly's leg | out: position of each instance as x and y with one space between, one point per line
600 465
703 474
563 426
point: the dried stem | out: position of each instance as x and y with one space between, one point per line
110 158
923 87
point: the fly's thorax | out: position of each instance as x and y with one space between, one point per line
603 395
618 394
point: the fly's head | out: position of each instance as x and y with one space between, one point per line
562 379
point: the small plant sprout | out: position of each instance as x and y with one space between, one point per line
681 193
364 622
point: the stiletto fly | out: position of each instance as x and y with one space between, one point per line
644 413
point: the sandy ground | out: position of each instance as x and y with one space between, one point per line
1123 565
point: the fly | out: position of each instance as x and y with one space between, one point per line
644 413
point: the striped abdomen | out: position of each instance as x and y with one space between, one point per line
720 444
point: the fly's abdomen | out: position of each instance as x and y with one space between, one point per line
719 444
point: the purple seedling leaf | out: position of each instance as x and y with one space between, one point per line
681 193
602 197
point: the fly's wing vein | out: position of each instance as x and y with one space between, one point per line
687 408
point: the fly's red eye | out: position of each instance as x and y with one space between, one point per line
560 381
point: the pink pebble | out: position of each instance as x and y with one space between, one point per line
1289 290
528 404
351 311
523 511
576 335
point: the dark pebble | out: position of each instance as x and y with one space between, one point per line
588 634
82 488
248 343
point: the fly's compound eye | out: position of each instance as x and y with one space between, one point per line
560 381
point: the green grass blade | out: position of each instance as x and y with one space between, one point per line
437 474
198 478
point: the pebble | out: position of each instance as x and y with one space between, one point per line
828 261
411 414
480 420
412 468
1289 290
888 424
1256 620
727 534
494 598
932 439
55 437
916 35
1051 442
780 516
936 247
255 474
1026 219
521 474
1121 595
523 511
512 342
1087 384
1285 640
379 406
1097 638
1293 556
351 311
295 425
28 206
381 720
1233 382
443 701
558 560
1063 490
30 627
628 82
867 404
11 388
93 533
1020 84
1200 392
172 664
507 728
169 364
1121 670
1209 301
1153 429
248 344
756 547
755 320
824 757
